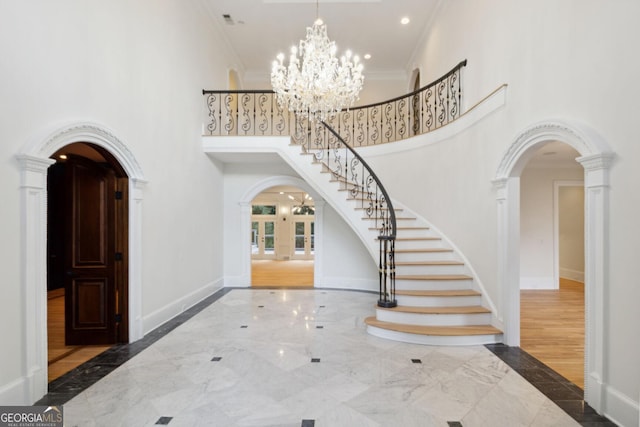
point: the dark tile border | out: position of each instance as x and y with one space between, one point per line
65 388
568 396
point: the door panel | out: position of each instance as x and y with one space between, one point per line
90 290
303 237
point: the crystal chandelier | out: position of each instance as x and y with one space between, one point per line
316 84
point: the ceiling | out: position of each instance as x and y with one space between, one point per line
257 30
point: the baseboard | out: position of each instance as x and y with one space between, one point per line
24 390
168 312
621 409
537 283
237 282
348 283
574 275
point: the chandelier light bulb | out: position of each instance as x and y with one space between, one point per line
315 84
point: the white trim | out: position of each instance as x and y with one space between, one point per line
34 161
245 223
557 273
538 283
173 309
596 160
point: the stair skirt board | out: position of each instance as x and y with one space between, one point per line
442 336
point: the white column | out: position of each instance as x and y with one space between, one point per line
508 198
136 327
33 199
596 170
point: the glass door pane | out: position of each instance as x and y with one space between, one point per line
299 238
255 237
269 237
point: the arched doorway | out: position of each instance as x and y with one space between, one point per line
596 158
282 237
34 162
247 231
552 259
87 247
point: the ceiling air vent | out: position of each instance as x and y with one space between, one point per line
227 19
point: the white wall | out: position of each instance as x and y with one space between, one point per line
564 59
537 240
344 261
571 232
136 68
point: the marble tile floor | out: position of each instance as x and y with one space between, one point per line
278 357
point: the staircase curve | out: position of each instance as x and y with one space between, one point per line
428 293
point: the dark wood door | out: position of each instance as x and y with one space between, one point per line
90 285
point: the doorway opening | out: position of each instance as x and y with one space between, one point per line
87 256
596 158
552 301
283 237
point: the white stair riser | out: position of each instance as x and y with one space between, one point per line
434 339
419 244
459 301
432 285
444 255
430 269
433 319
420 232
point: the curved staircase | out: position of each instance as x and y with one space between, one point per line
439 302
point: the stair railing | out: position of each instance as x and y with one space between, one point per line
365 188
257 113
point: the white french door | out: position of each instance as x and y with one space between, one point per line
263 238
303 237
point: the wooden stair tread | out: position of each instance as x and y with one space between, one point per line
434 330
433 277
471 309
440 293
383 209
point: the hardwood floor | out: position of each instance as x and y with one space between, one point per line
293 273
552 328
63 358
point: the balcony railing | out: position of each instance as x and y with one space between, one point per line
256 112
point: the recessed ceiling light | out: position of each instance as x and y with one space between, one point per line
367 56
63 156
404 21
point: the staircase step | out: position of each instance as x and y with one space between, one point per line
435 316
427 263
438 298
422 250
439 293
473 309
397 218
432 282
434 335
428 277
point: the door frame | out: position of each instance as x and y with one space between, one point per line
596 159
33 164
245 222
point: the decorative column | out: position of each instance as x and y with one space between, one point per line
508 198
33 229
596 184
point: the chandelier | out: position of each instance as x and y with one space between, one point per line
316 84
